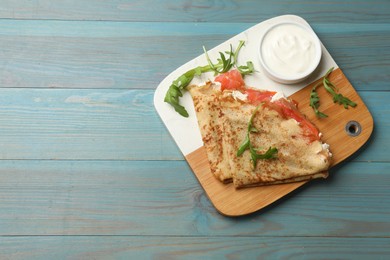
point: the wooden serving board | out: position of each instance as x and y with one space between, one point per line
344 139
345 130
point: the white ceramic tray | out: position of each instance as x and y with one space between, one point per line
185 131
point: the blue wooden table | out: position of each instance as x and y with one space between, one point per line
89 171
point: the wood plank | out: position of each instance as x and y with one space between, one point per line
125 55
187 11
88 124
161 198
193 248
82 124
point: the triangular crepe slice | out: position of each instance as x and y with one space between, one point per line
298 159
223 121
209 113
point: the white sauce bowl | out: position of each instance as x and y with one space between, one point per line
289 52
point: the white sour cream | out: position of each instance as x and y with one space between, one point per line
277 96
289 50
238 95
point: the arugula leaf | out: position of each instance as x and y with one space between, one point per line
271 153
331 89
174 92
223 64
244 146
251 129
337 97
315 102
244 70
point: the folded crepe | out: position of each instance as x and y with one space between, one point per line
223 118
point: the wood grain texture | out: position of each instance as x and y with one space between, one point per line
334 127
73 124
163 198
196 11
120 55
103 124
82 125
88 171
237 202
228 200
192 248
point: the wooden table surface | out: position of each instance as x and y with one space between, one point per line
89 171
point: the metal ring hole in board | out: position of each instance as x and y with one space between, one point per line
353 128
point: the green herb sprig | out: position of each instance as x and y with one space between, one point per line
315 101
223 64
332 89
243 69
271 153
